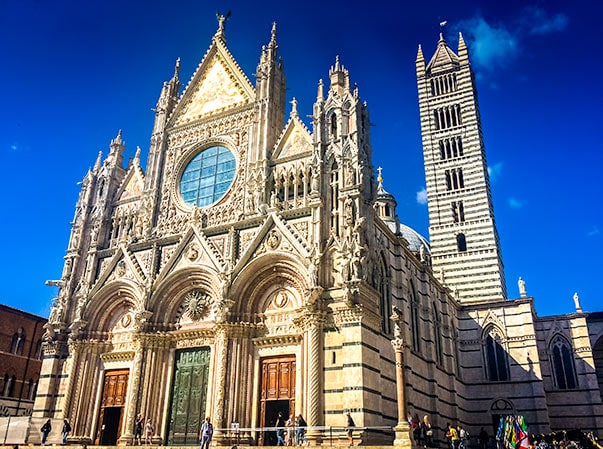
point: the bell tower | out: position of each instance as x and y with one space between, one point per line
465 246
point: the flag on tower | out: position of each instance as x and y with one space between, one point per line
443 23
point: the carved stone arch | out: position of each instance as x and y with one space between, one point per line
502 406
492 320
166 301
256 284
109 305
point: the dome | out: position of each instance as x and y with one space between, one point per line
414 239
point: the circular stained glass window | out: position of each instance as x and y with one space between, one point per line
208 176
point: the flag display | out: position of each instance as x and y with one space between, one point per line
512 433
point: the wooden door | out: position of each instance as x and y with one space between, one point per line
189 395
113 402
277 393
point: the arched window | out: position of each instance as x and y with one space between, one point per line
461 242
334 126
18 342
497 368
30 385
334 197
415 320
563 363
11 386
39 349
386 300
437 328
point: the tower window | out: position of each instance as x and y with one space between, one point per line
447 117
563 364
450 148
454 179
461 243
458 212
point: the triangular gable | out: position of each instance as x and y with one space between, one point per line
217 85
295 140
133 184
194 249
123 266
277 230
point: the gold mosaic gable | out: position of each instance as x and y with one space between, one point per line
133 187
217 90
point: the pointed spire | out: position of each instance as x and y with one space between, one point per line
137 156
420 62
117 140
176 70
320 94
340 77
99 159
462 52
273 43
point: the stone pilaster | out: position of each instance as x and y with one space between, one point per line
128 437
220 361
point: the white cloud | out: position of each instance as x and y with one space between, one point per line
514 203
491 46
14 147
495 45
536 21
494 171
594 231
422 196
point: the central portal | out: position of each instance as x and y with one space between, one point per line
277 394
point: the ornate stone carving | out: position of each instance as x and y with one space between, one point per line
197 305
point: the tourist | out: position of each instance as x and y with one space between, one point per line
207 430
138 429
350 427
301 430
46 429
148 432
290 435
426 432
65 431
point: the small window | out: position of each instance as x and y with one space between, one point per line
461 243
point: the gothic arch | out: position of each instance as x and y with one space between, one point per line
110 303
494 353
563 368
259 280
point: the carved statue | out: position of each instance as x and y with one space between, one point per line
577 302
522 287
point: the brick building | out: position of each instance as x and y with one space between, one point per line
20 360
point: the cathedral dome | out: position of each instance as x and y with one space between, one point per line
414 239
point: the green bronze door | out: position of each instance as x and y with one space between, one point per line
189 394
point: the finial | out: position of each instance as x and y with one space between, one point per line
337 67
177 68
380 176
98 160
294 108
117 140
462 51
137 156
273 33
320 94
577 303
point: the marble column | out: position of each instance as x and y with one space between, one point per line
402 429
220 361
127 436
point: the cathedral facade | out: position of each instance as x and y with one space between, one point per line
258 267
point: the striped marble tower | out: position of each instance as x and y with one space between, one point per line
464 241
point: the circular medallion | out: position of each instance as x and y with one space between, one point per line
208 176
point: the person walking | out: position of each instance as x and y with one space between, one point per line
301 424
46 429
290 435
453 436
207 430
350 427
138 429
65 431
463 435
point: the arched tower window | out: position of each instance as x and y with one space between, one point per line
334 126
415 324
461 242
497 367
563 363
386 300
18 342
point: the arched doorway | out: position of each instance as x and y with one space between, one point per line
277 394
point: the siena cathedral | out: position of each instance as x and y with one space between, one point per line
258 267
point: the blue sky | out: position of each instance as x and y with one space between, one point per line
77 72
